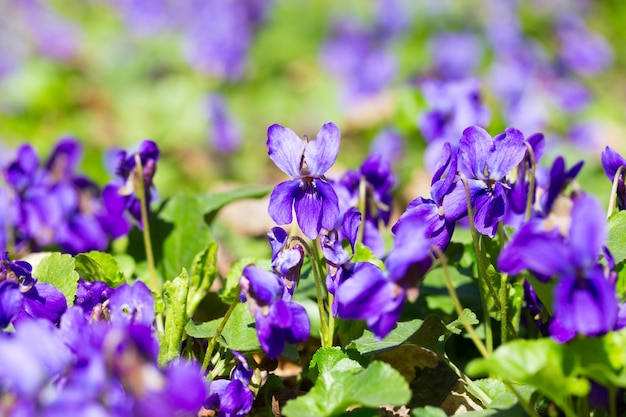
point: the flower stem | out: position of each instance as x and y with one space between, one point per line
140 191
504 311
458 307
325 336
613 198
218 332
482 275
525 405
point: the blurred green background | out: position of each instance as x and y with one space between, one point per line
122 82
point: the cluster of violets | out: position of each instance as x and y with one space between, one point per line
98 354
484 181
48 204
97 357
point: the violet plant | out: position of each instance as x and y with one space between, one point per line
505 275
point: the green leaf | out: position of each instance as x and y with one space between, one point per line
617 231
342 382
212 203
369 344
457 326
364 254
505 403
188 237
99 266
230 289
203 273
175 293
238 334
58 269
541 363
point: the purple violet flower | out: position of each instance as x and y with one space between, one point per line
582 290
278 319
485 162
376 296
430 211
232 398
611 163
377 179
132 305
120 194
308 193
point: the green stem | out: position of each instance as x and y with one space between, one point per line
325 336
613 198
479 393
482 275
218 332
504 311
531 181
525 405
612 401
140 191
459 307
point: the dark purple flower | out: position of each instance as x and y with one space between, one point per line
278 319
232 398
11 302
120 194
373 182
370 295
91 294
286 261
485 162
132 305
430 212
313 198
611 163
584 299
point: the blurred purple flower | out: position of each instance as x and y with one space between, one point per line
55 37
225 135
362 63
452 107
308 193
584 51
218 38
389 144
455 55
